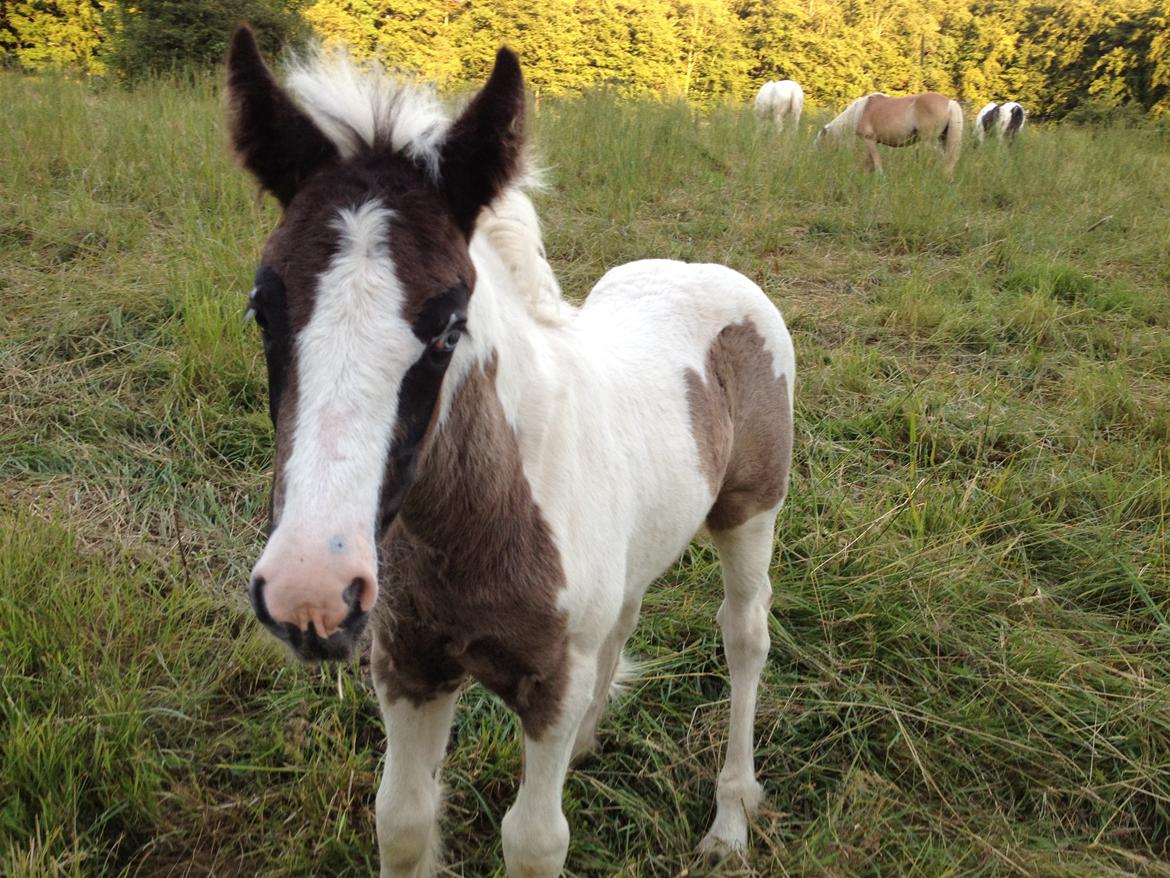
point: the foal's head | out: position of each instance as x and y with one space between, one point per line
361 297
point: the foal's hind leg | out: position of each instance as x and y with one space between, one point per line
609 663
745 553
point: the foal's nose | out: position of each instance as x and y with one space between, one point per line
318 609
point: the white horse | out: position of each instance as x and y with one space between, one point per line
779 100
490 475
1004 121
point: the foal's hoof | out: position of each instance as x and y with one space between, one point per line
714 851
584 751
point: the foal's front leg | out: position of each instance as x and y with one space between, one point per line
873 161
535 831
407 804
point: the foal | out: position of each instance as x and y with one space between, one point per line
490 475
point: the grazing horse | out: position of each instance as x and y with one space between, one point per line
778 100
999 120
490 476
878 118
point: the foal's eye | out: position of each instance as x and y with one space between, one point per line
446 342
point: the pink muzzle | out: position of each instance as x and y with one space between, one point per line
315 593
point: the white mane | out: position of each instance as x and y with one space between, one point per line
359 106
364 105
511 226
846 121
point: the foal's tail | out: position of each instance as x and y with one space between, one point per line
953 136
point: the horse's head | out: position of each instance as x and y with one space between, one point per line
361 297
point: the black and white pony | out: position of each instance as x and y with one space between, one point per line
487 475
1003 121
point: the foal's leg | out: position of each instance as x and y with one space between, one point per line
407 803
608 661
873 161
535 831
745 554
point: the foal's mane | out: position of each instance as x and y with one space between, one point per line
364 106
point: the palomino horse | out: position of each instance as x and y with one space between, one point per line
999 120
878 118
491 476
778 100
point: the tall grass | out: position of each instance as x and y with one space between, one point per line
971 648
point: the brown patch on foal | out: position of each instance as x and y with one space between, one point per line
428 248
471 573
742 422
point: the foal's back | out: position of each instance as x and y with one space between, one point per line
695 369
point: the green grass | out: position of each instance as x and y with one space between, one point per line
971 663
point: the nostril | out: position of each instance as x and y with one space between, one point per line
256 593
353 593
359 596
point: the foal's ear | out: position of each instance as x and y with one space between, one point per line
482 151
273 138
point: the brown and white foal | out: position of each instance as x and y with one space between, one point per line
490 475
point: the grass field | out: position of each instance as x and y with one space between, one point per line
970 671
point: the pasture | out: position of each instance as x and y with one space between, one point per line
970 672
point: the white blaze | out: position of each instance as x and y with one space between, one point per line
350 358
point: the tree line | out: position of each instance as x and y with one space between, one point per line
1058 57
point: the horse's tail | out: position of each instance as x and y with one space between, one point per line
985 120
953 136
1015 122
